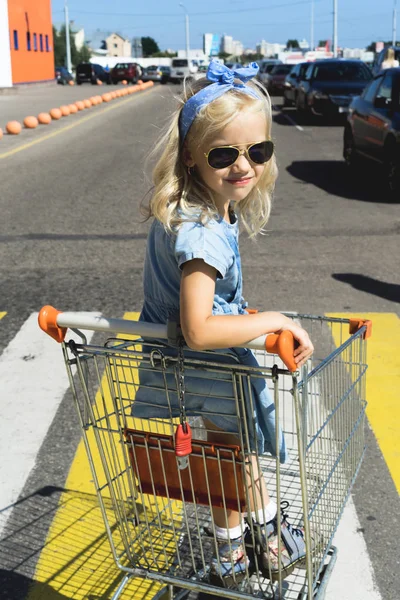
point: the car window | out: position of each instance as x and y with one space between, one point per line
341 71
309 72
281 70
303 69
370 91
385 89
179 62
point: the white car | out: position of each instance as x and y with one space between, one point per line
181 68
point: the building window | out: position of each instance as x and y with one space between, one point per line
47 43
35 42
15 39
41 42
115 45
28 40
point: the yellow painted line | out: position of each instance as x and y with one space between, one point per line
383 385
68 127
2 314
76 560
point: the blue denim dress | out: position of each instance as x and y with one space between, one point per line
217 244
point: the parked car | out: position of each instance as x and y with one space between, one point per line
372 130
90 73
275 80
165 73
291 83
125 71
152 73
266 67
380 57
182 68
63 76
330 85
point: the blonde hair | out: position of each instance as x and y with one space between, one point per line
178 196
390 55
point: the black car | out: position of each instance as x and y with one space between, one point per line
292 81
330 85
90 73
372 129
63 76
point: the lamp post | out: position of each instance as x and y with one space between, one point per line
312 26
187 30
335 44
394 23
67 41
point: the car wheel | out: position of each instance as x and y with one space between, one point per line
286 102
349 151
79 83
299 107
392 170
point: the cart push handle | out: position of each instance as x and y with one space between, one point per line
55 323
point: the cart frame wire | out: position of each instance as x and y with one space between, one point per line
157 505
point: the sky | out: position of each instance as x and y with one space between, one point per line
359 21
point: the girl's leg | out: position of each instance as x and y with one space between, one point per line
257 490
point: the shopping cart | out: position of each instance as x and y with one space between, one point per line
159 478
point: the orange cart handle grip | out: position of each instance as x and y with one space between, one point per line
48 323
282 344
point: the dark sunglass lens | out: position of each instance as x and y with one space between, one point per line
262 152
219 158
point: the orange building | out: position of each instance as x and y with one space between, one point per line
31 41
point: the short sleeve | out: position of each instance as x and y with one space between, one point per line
195 240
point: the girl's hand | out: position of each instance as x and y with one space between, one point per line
305 348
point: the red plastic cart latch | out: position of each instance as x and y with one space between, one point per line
183 440
356 324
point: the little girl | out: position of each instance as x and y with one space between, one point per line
218 163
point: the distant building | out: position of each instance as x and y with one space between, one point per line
237 48
211 44
26 42
137 50
79 39
118 45
227 44
269 50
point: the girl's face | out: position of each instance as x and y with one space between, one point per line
236 181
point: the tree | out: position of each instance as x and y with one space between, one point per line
60 49
322 43
164 54
292 44
149 46
224 55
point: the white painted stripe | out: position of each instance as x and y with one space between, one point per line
291 121
352 577
33 381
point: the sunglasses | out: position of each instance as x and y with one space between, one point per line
225 156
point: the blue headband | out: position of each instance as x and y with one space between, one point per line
224 79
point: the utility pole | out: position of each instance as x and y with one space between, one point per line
312 27
335 40
394 23
187 31
67 40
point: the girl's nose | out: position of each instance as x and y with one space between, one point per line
242 164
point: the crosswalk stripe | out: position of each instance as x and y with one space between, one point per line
76 560
33 382
383 384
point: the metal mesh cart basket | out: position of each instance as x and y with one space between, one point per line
157 488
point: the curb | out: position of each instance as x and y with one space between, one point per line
57 113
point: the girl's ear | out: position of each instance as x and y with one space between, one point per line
187 156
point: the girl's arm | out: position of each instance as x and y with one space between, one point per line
203 330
